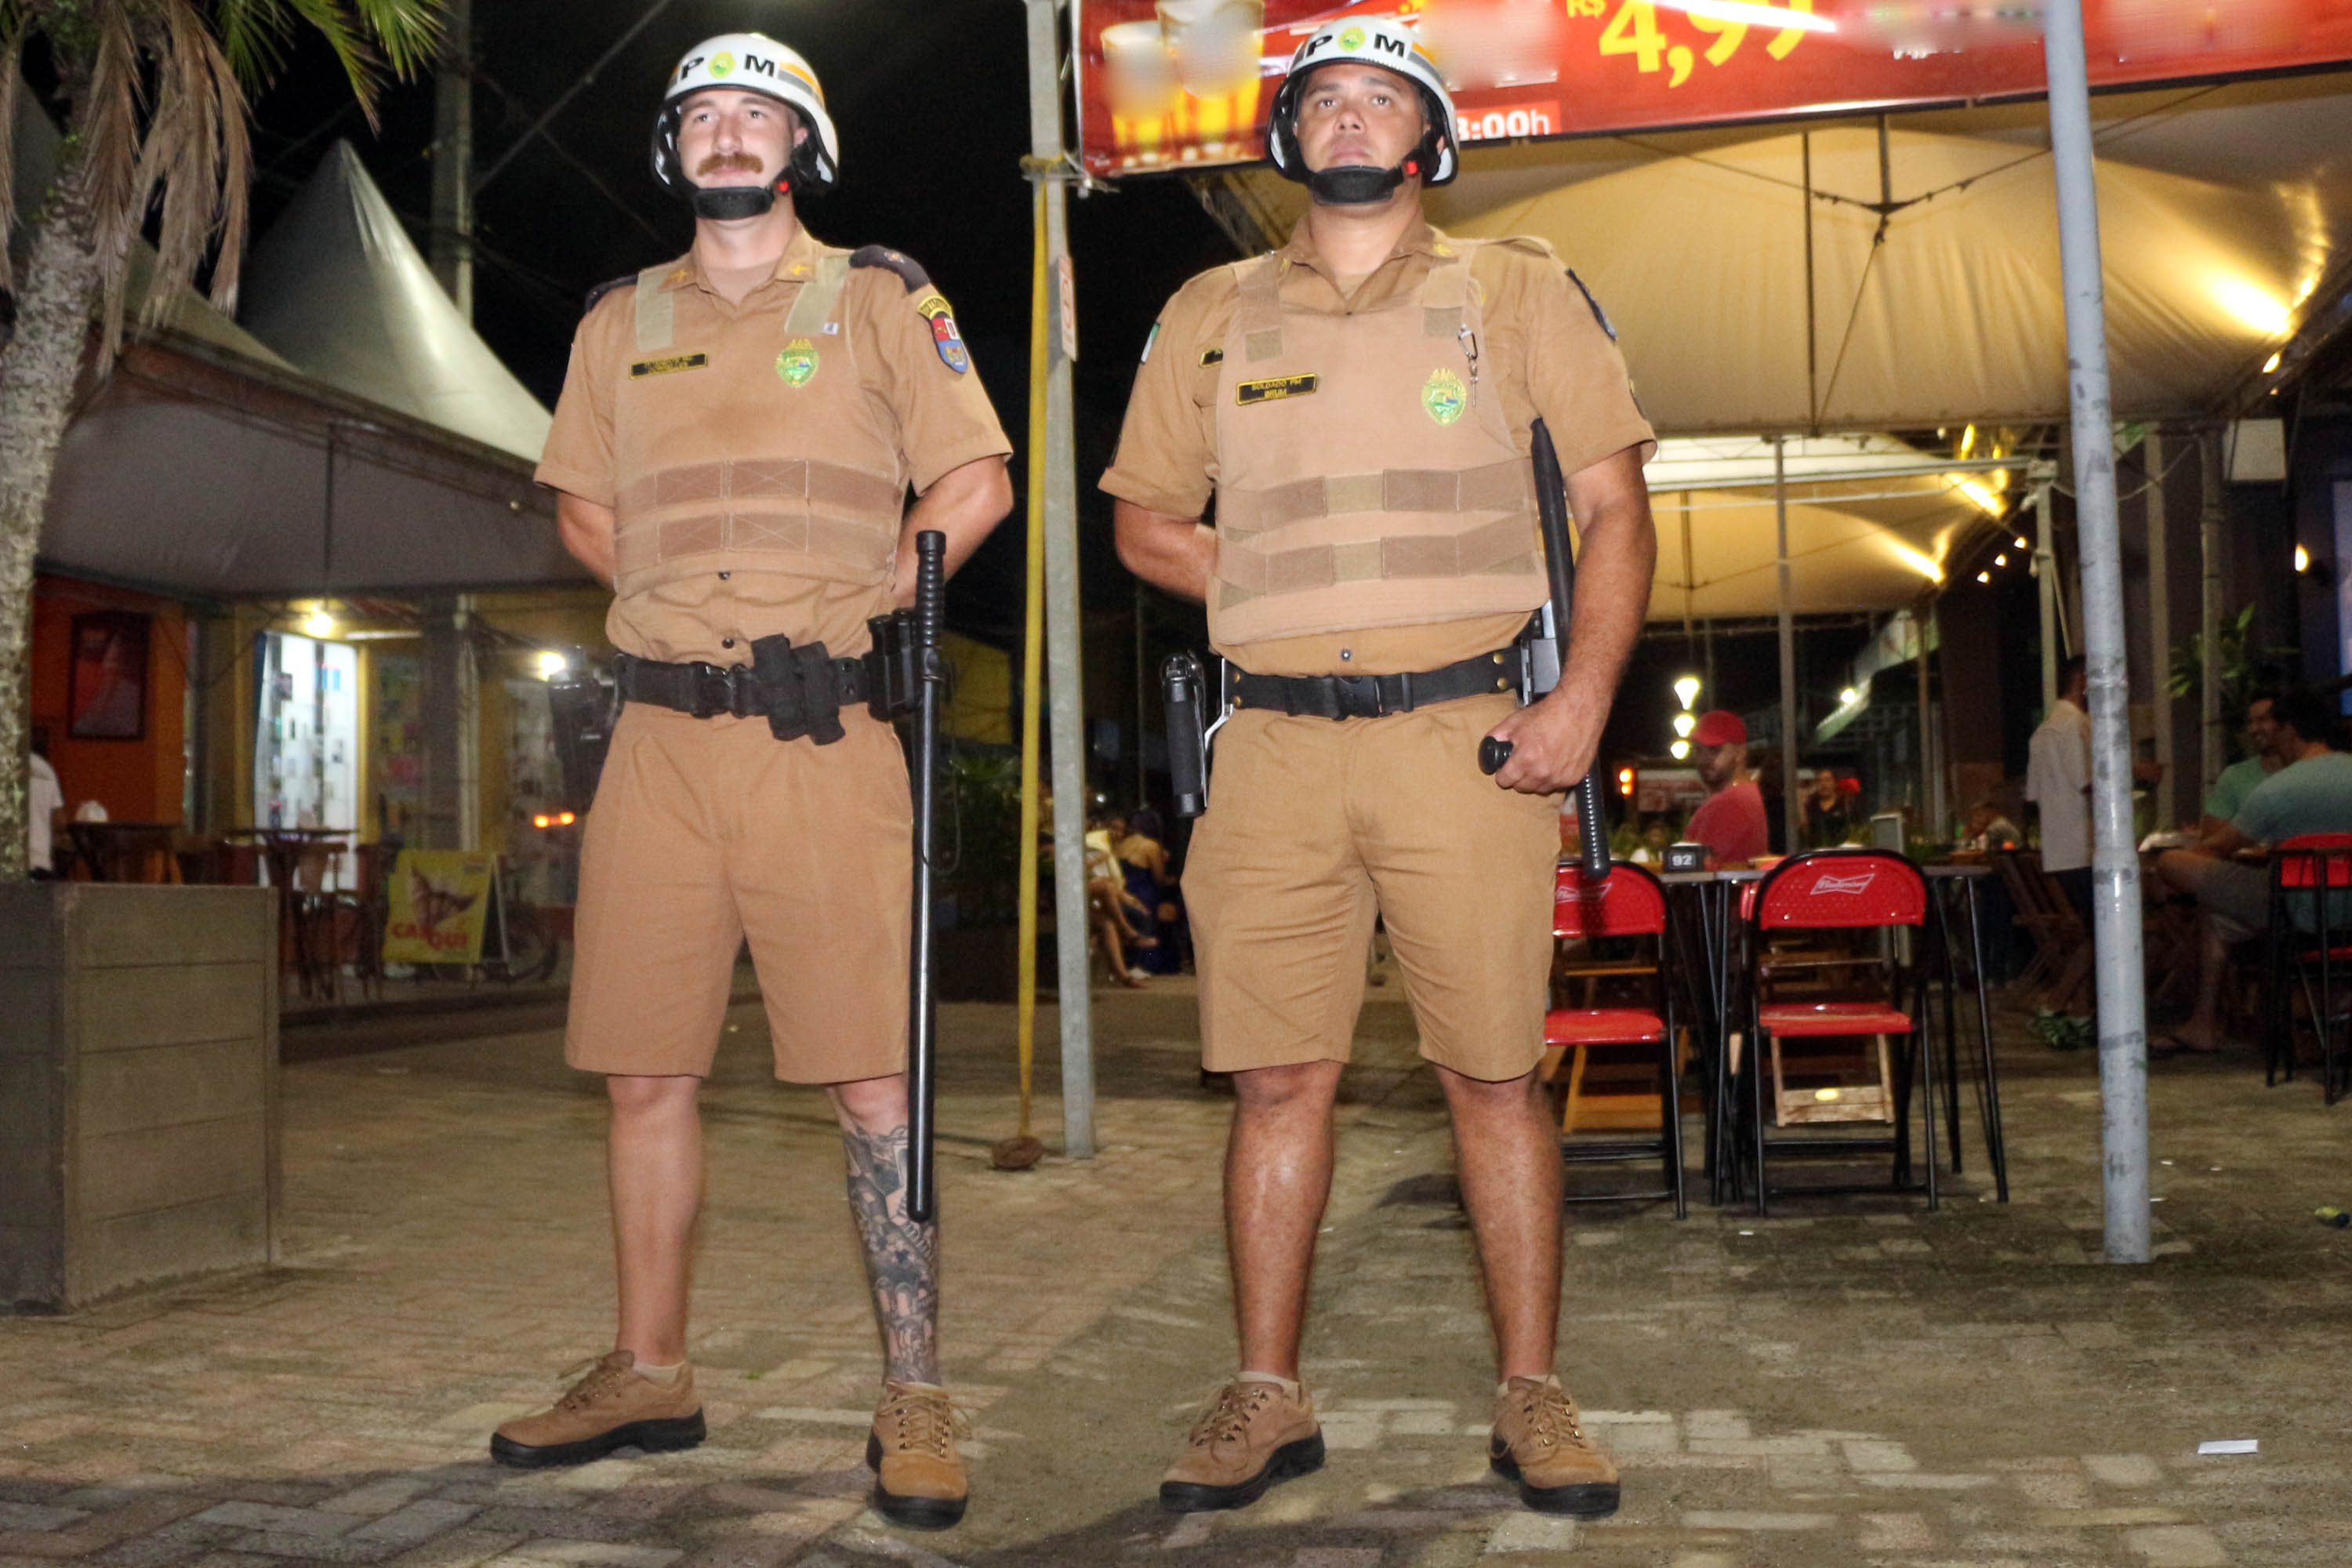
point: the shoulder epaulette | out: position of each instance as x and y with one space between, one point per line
908 269
606 287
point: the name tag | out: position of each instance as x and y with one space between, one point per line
1274 389
645 367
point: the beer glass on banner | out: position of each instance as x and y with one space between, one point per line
1216 45
1141 83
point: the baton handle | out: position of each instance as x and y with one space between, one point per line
922 1024
1592 842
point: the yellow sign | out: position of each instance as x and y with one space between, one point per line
440 906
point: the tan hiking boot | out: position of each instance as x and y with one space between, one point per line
919 1479
1252 1435
613 1407
1540 1443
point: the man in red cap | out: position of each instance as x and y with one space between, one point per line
1730 820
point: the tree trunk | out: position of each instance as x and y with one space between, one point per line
38 372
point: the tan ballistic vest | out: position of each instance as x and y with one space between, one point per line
822 492
1366 477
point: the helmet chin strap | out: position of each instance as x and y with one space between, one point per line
724 203
1356 184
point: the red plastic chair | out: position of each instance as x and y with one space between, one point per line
2309 875
1842 890
1630 903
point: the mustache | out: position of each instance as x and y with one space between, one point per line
726 162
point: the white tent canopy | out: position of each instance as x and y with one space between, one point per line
338 288
2224 210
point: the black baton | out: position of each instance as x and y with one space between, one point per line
1184 686
923 1022
1559 561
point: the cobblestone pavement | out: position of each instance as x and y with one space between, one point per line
1853 1382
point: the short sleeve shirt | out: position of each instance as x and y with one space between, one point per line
2235 783
2057 768
1731 823
2314 795
938 418
1549 349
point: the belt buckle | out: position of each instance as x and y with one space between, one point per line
1358 695
740 691
711 689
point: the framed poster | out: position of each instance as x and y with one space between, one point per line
107 698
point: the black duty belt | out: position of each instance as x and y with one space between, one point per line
798 690
1373 696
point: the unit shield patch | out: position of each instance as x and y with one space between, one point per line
1444 397
798 362
933 308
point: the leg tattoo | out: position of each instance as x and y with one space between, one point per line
902 1258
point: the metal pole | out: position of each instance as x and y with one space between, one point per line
2045 587
2208 544
1142 696
2115 897
1931 791
453 158
1789 803
2159 633
1068 694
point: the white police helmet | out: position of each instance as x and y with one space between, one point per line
1371 41
751 62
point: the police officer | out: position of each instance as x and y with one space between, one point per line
732 452
1359 403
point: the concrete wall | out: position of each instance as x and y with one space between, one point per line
139 1127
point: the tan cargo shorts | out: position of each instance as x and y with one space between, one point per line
1313 828
709 831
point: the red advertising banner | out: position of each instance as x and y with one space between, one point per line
1183 84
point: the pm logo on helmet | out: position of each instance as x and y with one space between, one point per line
722 64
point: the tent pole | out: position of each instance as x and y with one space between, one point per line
2208 544
2160 629
1788 802
2114 899
1931 783
2045 588
1067 692
1813 343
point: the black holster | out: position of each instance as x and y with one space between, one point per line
583 705
1185 687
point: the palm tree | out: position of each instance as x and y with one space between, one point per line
155 99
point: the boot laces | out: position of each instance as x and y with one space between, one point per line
924 1423
1237 1405
1551 1419
604 1376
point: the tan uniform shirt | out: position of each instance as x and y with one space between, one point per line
721 393
1545 348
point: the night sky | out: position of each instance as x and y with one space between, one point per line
931 98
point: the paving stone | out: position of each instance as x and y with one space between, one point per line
1895 1532
2124 1469
279 1520
1531 1533
2177 1546
1733 1519
605 1553
36 1516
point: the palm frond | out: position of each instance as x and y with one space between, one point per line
335 24
407 31
106 121
196 159
255 36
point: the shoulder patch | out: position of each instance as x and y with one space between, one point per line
933 309
626 281
908 269
1598 314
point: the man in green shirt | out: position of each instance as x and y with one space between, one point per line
2311 792
2228 795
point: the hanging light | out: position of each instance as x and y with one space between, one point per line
2000 560
319 624
2019 542
1686 722
1679 750
2301 560
2272 363
1686 687
551 664
1849 697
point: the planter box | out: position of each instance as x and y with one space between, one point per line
139 1127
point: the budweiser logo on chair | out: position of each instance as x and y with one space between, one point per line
1859 882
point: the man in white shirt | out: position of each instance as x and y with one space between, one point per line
43 800
2058 782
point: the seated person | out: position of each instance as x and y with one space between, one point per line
2311 793
1730 820
1989 828
2236 782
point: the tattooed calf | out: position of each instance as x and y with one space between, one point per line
902 1257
